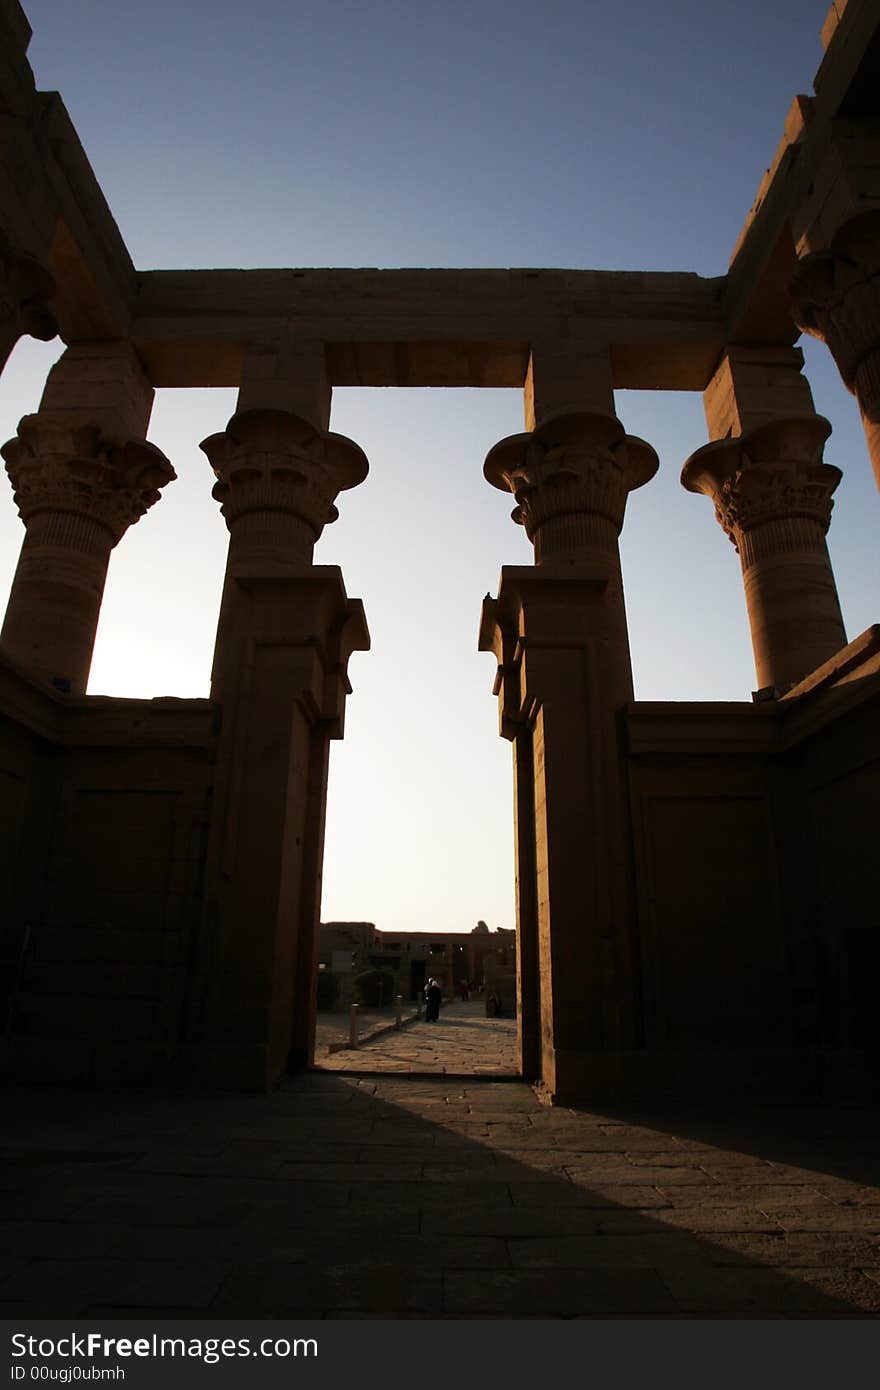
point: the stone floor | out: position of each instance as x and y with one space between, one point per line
462 1042
452 1196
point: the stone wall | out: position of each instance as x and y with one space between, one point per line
758 925
104 876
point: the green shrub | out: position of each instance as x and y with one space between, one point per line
374 988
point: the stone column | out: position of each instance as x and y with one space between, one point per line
82 474
571 478
836 297
772 493
25 290
772 496
285 633
558 632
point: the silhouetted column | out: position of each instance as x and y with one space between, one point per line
836 297
26 288
558 631
82 474
285 633
772 496
571 478
772 492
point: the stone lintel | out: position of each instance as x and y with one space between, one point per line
811 186
428 327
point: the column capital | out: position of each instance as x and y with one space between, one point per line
571 478
835 295
272 461
58 465
774 472
772 496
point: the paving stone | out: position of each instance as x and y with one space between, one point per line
819 1249
556 1293
753 1292
27 1311
541 1169
349 1172
704 1219
39 1206
290 1291
659 1176
570 1194
369 1197
277 1222
435 1251
761 1195
862 1219
224 1245
429 1196
191 1284
578 1252
513 1222
58 1239
173 1211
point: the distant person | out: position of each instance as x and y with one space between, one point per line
465 991
433 996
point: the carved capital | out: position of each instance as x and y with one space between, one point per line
25 289
579 465
835 296
273 461
773 473
56 466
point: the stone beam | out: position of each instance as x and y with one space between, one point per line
430 327
801 199
53 210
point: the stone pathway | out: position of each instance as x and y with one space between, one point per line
433 1197
463 1042
332 1029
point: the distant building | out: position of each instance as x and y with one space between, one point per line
480 957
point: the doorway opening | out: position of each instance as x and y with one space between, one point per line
419 839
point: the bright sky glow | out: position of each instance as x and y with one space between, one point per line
373 132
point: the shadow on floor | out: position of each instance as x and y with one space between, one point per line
386 1198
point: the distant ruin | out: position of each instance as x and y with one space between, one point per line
697 884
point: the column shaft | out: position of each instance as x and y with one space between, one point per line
284 636
55 599
772 496
559 634
528 965
794 611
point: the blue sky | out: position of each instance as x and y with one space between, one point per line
482 134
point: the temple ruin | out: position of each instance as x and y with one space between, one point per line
697 885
